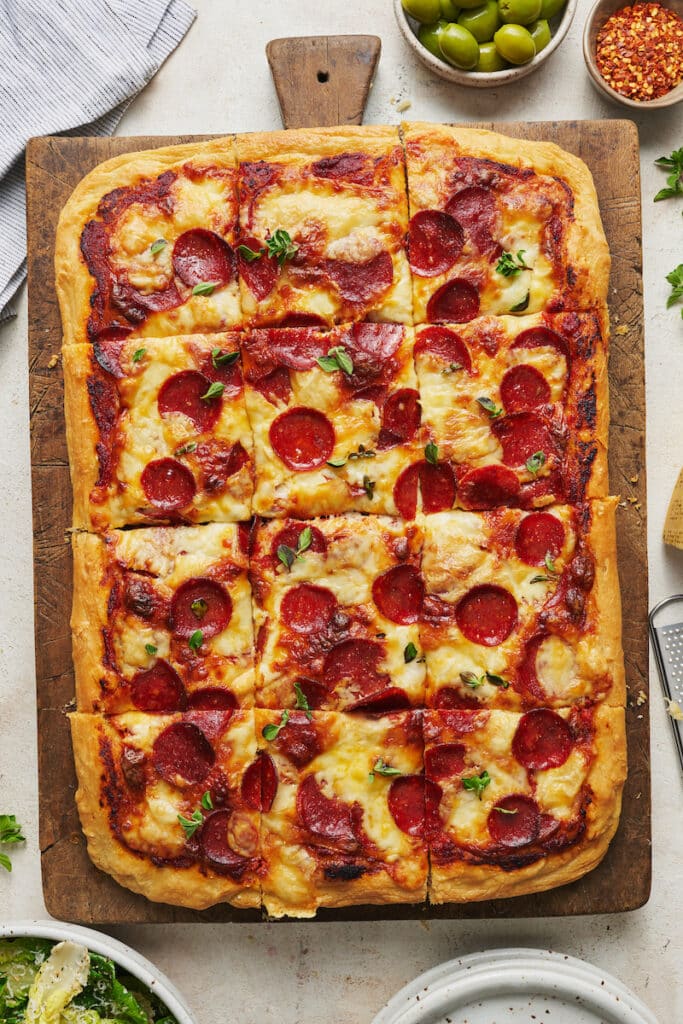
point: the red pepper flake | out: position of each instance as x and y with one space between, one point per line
639 51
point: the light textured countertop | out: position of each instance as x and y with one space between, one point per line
217 81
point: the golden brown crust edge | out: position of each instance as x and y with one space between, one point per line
73 281
465 883
607 593
88 617
598 486
585 232
82 434
187 887
306 143
371 890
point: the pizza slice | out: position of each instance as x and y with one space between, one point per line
520 803
336 608
169 804
154 256
500 226
343 811
323 217
161 620
157 432
518 410
522 609
335 417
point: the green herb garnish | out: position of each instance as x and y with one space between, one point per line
674 165
432 453
271 731
369 487
151 649
551 573
508 268
362 453
302 702
535 462
477 783
157 246
289 555
196 640
215 391
186 449
490 407
451 368
199 608
10 833
205 288
474 681
675 279
409 653
138 354
381 768
337 358
220 358
191 824
249 254
521 306
281 247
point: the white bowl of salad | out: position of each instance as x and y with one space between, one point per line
54 973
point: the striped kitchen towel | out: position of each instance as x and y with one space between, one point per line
69 66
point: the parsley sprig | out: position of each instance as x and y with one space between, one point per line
432 453
191 824
675 279
302 702
489 406
535 463
380 767
281 247
10 833
337 358
507 266
220 358
477 783
271 731
474 681
551 572
288 555
674 181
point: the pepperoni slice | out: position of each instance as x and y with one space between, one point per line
383 702
316 693
519 826
302 320
450 699
299 740
323 816
435 241
437 488
398 593
455 302
202 256
183 393
475 209
446 345
488 487
158 689
168 485
260 275
542 740
445 760
212 698
522 434
487 615
303 438
307 608
355 167
289 537
362 283
259 783
539 534
354 662
413 801
214 843
400 418
200 603
542 337
524 387
182 751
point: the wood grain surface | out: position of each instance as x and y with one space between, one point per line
323 80
74 890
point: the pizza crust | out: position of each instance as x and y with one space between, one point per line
186 887
465 883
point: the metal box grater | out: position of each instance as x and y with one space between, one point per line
666 631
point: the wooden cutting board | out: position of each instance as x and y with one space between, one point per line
74 890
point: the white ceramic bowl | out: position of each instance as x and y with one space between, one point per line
127 958
594 22
479 79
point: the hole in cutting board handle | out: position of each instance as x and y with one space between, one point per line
323 76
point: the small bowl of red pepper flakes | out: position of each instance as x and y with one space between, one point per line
634 52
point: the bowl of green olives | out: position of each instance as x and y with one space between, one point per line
483 43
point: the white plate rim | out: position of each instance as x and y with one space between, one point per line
131 961
477 974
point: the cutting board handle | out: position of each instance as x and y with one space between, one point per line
323 80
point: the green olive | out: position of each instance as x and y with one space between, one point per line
449 10
467 5
482 21
429 37
489 58
515 44
549 8
459 47
424 11
519 12
540 33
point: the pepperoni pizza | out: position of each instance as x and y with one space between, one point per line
158 432
363 645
